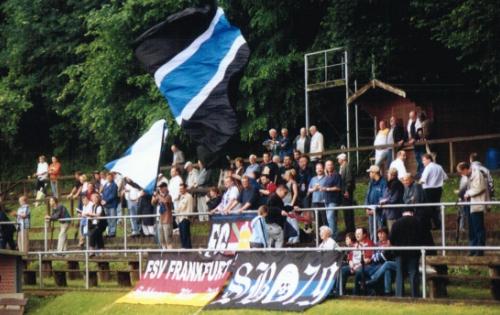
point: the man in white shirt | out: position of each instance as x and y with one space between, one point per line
399 164
317 144
178 156
432 181
229 202
253 167
192 175
302 141
42 174
174 184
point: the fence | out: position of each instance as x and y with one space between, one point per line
140 252
442 206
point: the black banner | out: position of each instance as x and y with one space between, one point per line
291 281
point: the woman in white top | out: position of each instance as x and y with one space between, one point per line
42 174
327 242
381 139
96 226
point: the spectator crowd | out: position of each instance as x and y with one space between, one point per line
292 179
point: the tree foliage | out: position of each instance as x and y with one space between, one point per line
70 83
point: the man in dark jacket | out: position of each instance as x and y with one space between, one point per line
110 201
348 186
376 188
407 231
414 194
6 230
393 195
276 217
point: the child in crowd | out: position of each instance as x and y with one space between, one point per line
260 235
23 219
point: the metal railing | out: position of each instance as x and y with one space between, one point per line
140 252
442 206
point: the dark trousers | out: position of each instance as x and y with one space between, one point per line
433 195
477 231
185 233
407 264
321 213
419 151
95 237
7 240
348 214
41 185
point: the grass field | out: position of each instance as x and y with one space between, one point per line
103 303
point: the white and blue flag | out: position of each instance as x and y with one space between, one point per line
195 57
140 162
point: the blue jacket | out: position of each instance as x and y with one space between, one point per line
110 195
375 191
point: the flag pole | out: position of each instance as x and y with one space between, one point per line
159 160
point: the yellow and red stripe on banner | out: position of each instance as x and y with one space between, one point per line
192 299
181 278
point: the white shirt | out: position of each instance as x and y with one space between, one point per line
178 157
191 180
301 144
390 136
400 166
87 208
231 194
42 168
433 176
329 244
418 125
118 180
174 187
131 193
317 145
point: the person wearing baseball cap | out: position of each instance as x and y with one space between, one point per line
376 189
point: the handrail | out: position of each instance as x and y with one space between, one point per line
140 252
344 150
283 249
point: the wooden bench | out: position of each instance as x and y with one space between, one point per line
12 306
438 282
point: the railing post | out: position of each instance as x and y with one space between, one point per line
45 235
341 287
452 157
72 206
443 227
140 265
87 269
424 277
125 235
316 220
40 270
374 237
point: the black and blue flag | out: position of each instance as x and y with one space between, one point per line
196 57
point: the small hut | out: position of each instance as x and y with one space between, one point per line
453 110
